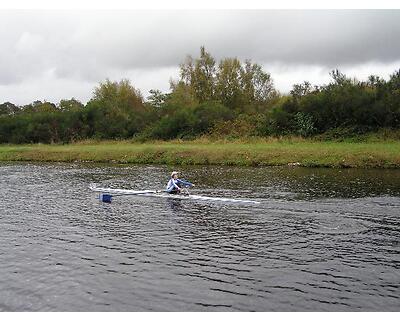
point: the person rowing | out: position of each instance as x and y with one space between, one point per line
175 184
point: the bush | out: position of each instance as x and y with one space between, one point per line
243 126
186 123
305 124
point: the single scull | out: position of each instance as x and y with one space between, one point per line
105 195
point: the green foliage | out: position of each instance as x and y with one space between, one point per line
156 98
187 123
227 99
199 74
178 125
305 124
229 87
235 84
39 106
207 114
118 95
343 103
30 127
182 95
70 105
116 111
241 127
8 109
257 85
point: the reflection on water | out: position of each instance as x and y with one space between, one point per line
321 239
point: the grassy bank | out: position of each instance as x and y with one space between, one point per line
250 153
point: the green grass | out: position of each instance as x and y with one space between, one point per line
267 152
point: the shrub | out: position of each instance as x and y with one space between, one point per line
305 124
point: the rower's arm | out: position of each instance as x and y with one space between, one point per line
185 183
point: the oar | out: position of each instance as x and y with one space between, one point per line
105 197
186 192
136 193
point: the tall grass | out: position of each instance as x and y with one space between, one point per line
251 152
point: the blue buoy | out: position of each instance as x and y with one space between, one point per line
106 198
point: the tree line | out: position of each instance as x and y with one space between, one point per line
229 98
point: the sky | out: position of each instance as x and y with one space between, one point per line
59 54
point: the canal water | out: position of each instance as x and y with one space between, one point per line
320 240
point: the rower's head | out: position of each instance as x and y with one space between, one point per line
174 174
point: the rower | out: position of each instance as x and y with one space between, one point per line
175 185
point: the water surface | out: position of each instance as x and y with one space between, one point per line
321 239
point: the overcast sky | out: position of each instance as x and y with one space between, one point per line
50 55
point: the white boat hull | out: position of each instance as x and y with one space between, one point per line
162 194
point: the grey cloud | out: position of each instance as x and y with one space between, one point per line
306 37
88 46
141 39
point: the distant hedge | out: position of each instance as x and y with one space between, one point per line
225 99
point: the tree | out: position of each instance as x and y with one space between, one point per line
119 95
339 78
301 90
182 95
186 71
258 86
235 85
157 98
70 105
229 86
200 75
204 76
394 81
8 108
305 124
39 106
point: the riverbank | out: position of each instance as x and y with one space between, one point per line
385 154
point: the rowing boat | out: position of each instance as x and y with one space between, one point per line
106 194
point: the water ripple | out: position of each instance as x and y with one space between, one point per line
317 241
